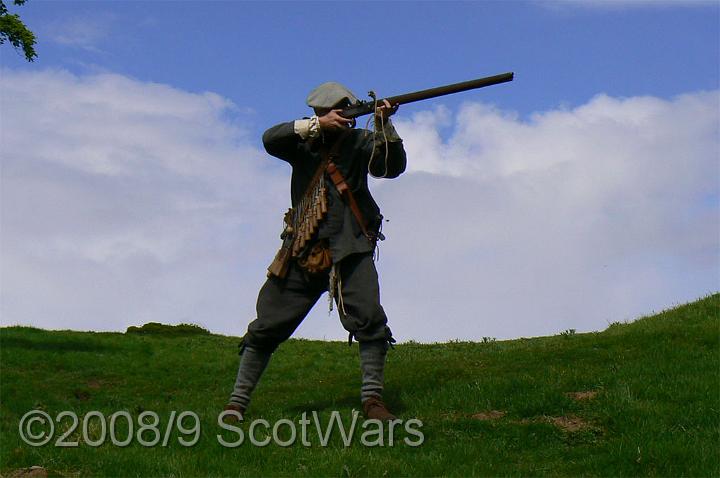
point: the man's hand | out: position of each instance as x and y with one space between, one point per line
333 121
386 110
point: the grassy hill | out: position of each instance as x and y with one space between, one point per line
636 399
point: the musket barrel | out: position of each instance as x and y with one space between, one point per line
450 89
367 107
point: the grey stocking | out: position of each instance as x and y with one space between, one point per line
372 364
252 365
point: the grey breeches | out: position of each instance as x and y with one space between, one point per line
283 304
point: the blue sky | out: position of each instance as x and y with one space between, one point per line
266 56
135 187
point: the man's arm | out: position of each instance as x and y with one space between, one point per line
389 158
282 140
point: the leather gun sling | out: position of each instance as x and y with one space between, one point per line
339 181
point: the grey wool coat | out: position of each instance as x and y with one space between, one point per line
340 226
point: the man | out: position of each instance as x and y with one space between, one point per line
346 235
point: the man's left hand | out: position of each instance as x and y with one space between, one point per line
385 111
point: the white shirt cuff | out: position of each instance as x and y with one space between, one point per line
307 128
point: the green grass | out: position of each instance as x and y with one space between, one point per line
656 412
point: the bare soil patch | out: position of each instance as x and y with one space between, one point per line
570 423
566 423
489 415
580 396
31 472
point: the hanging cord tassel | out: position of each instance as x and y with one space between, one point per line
335 287
339 293
376 252
374 130
331 288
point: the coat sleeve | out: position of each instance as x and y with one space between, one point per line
282 142
392 164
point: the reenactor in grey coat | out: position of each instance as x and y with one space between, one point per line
345 237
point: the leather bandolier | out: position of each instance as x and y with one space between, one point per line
303 220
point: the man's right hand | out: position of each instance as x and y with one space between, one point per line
333 121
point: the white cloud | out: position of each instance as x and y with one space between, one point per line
570 219
125 202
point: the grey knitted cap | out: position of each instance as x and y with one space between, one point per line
330 94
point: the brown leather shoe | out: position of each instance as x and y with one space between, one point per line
375 408
230 418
